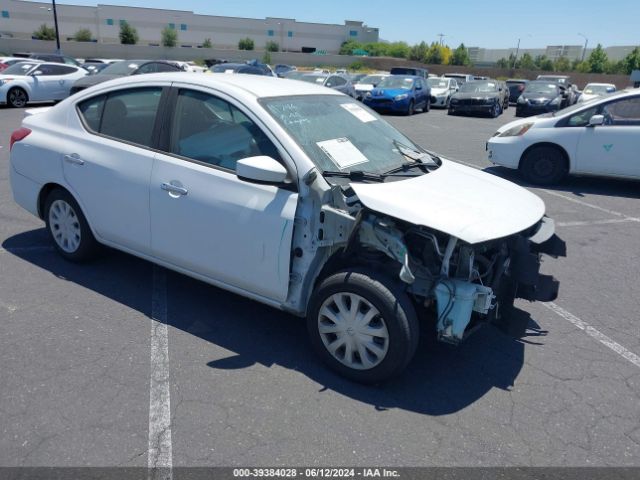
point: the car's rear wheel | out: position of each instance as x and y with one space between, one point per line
543 165
363 325
427 105
68 227
17 97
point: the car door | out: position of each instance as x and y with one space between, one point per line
107 162
205 219
612 148
46 84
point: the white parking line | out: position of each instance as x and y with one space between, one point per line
160 451
592 332
590 205
597 222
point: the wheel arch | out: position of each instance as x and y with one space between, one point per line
21 86
561 149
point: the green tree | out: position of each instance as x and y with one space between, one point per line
434 55
598 60
398 50
207 43
419 52
632 61
82 35
562 64
376 49
527 62
347 48
266 58
614 68
583 67
544 63
128 34
44 33
272 46
246 44
169 37
503 63
460 56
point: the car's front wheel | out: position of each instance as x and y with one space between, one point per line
363 325
68 227
543 165
411 108
17 97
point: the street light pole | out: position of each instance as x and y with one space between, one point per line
55 23
586 42
515 59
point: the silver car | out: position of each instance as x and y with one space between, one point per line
341 83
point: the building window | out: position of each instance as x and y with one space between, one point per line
270 33
183 27
289 34
109 21
5 14
122 22
353 33
172 26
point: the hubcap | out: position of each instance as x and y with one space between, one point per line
543 167
353 331
18 98
65 226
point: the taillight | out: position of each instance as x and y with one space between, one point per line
3 66
18 135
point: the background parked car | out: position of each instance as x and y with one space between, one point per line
238 68
595 90
281 69
400 94
26 82
368 83
478 96
539 96
516 86
294 74
49 57
6 62
441 90
418 72
569 91
460 77
342 83
124 68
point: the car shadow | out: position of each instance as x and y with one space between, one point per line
578 186
440 380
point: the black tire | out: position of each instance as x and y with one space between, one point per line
543 165
446 105
17 98
87 247
450 112
410 108
427 105
496 110
396 311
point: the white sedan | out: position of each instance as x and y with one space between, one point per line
293 195
441 90
601 137
595 90
29 81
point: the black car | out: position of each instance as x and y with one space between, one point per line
478 96
516 86
123 69
240 68
539 97
418 72
49 57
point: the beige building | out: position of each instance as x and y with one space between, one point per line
19 19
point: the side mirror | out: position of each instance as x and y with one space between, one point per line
418 87
261 169
36 73
596 120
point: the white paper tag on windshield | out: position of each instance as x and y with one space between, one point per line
358 112
342 152
230 70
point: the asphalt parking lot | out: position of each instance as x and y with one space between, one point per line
245 388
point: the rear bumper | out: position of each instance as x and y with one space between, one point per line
25 191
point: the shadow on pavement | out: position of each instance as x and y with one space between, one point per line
439 381
578 186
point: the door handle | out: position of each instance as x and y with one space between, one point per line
174 189
74 158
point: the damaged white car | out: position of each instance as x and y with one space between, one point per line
290 194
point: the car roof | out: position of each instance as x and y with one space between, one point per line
523 80
258 86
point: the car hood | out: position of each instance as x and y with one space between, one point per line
540 97
365 87
438 90
471 205
389 92
91 80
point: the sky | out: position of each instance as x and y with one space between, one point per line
478 23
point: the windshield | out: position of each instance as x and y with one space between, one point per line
473 87
541 87
438 83
339 134
18 68
396 81
371 79
121 68
551 78
317 79
599 89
